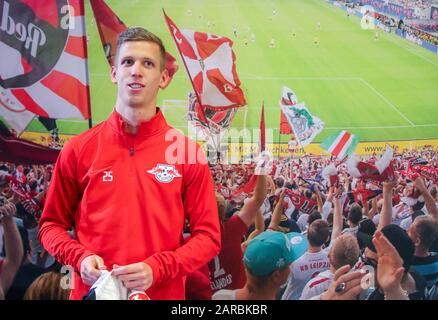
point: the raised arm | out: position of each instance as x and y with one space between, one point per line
428 199
366 207
386 213
13 246
250 208
337 214
318 198
259 227
327 207
271 185
45 185
373 210
278 211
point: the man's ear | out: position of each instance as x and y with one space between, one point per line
277 277
417 241
165 79
113 75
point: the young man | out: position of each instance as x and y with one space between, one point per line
412 285
128 184
354 217
315 260
344 251
424 232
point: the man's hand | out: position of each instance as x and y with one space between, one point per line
91 268
7 211
264 164
136 276
390 269
420 185
345 286
389 185
339 190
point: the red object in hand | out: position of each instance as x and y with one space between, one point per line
138 295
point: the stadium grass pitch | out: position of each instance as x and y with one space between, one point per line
385 89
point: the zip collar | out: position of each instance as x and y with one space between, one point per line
147 128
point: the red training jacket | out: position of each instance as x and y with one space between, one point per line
127 201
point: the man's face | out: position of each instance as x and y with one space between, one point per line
138 75
371 258
413 234
371 261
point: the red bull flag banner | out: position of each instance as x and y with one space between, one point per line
110 26
304 125
340 144
43 65
210 63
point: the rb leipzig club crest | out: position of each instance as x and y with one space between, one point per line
164 172
33 36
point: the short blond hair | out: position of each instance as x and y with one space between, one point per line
345 250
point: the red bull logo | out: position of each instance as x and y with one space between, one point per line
164 172
27 37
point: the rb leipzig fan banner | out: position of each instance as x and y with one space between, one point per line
43 65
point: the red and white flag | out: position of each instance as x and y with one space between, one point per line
262 130
17 116
43 65
340 144
284 125
210 63
110 26
300 202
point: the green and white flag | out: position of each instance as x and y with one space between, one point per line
304 125
340 144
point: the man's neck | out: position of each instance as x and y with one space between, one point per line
351 225
132 117
265 294
311 249
420 252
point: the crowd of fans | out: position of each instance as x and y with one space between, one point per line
384 22
330 225
27 271
400 10
428 26
339 223
414 29
411 31
422 4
